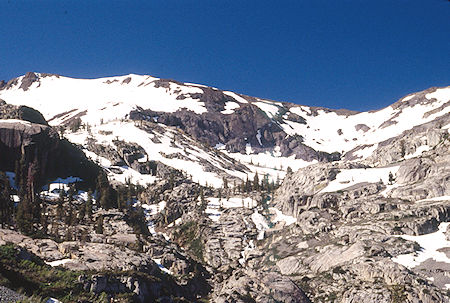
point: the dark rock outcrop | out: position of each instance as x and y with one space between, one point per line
8 111
40 146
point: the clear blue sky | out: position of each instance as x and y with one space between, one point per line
340 54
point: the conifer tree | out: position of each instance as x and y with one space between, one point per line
225 183
89 205
6 204
203 203
248 185
288 171
256 182
99 225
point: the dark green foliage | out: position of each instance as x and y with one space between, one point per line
28 216
22 270
69 216
171 179
203 202
106 195
288 171
256 182
248 185
99 225
398 293
28 274
391 178
6 204
136 218
225 183
89 204
75 125
188 235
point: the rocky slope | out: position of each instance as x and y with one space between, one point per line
190 211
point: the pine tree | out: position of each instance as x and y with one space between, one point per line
391 178
24 218
88 205
171 180
288 171
69 214
60 205
106 197
248 185
99 225
28 215
203 203
72 191
225 183
6 204
256 182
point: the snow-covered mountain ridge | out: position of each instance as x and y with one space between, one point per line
178 123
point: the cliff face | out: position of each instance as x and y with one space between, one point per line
40 144
28 141
8 111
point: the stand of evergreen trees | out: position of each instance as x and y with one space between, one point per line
6 203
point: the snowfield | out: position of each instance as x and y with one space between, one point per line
155 149
104 99
104 105
349 177
431 244
319 135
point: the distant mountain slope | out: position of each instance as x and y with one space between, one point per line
264 135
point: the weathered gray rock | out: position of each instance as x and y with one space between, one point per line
259 286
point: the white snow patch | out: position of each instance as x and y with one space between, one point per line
389 187
230 106
366 151
235 97
220 146
269 162
258 136
153 209
158 150
270 109
248 149
100 100
418 152
245 252
430 244
15 121
53 300
260 223
300 110
349 177
161 267
215 204
319 132
441 198
58 262
280 217
441 94
407 98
